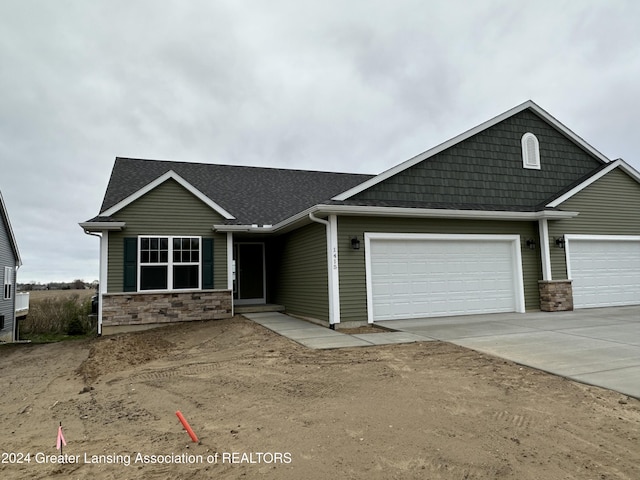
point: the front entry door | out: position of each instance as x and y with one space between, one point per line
249 285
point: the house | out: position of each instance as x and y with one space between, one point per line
10 301
516 214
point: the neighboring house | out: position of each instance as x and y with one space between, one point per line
9 264
516 214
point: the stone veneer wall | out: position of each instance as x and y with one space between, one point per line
555 295
162 308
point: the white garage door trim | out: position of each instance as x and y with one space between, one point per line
585 299
514 241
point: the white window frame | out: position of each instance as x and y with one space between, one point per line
8 283
527 162
169 264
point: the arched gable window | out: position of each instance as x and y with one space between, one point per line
530 151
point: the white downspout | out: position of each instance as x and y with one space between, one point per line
333 278
545 252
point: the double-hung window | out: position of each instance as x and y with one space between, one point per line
169 263
8 283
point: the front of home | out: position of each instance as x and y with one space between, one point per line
516 214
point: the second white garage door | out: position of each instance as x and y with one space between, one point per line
605 270
428 275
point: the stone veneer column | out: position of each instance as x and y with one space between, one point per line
555 295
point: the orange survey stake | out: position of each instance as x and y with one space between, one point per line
186 426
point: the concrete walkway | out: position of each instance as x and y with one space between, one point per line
594 346
319 337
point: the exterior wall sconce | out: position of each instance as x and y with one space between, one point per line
355 243
531 244
560 242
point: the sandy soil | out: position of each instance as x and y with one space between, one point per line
265 407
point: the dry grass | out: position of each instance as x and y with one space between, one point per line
39 295
57 312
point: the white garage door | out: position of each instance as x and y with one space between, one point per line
605 270
417 275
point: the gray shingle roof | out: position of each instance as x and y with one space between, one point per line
482 170
253 195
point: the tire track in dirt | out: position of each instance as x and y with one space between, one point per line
514 419
177 370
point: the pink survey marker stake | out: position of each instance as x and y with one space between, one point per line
60 441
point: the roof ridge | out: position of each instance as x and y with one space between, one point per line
227 165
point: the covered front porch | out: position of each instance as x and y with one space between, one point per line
279 272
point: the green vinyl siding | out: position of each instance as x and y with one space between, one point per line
168 209
302 276
609 206
353 294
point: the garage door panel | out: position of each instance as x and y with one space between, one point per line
439 277
604 272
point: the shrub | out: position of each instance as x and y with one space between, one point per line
58 315
75 327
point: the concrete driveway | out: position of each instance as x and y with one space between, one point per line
594 346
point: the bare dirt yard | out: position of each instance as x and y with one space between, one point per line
265 407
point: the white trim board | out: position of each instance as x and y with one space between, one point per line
513 239
613 165
469 133
397 212
102 226
545 251
12 237
170 263
159 181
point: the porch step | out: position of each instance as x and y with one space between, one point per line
269 307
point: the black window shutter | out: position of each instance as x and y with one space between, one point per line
207 263
130 283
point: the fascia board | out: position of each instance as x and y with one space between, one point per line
463 136
159 181
12 237
278 227
606 238
442 213
398 212
628 169
102 226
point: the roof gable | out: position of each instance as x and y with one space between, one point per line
159 181
483 168
248 195
574 190
4 215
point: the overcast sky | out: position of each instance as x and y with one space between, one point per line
356 86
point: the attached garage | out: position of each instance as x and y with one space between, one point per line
432 275
604 269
